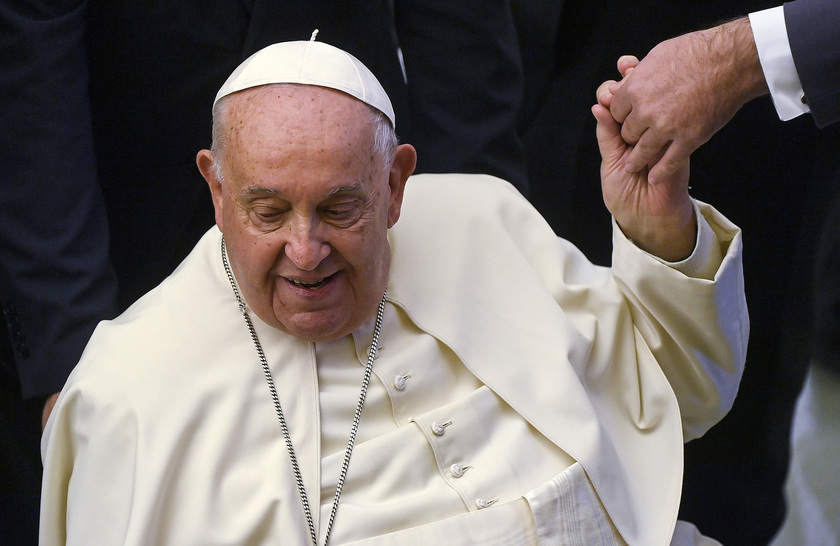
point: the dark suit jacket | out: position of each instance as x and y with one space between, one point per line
55 279
813 28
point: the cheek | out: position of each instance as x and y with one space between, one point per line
255 256
265 252
361 248
371 259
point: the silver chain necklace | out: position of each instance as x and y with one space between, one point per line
356 417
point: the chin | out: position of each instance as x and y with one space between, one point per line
318 329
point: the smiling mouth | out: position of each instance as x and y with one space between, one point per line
309 285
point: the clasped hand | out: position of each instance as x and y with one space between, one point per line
657 217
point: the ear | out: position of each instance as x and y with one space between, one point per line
206 162
405 159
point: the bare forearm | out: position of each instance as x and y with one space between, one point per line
731 46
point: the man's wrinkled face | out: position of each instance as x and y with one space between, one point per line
305 206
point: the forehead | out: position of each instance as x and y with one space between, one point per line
296 113
306 132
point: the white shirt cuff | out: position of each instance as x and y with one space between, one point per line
771 41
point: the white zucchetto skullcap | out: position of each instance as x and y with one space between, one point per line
309 63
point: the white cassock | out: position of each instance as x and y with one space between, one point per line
521 394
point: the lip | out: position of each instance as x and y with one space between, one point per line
309 287
308 284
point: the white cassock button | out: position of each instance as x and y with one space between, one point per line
439 428
481 503
457 470
399 382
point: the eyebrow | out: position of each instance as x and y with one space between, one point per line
350 188
261 191
258 191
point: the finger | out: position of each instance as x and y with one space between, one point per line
608 133
646 150
616 85
669 167
604 94
627 62
620 105
632 127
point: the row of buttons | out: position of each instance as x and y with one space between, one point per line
439 429
457 470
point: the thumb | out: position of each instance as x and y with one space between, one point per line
608 133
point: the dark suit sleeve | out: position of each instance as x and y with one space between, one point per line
55 279
813 28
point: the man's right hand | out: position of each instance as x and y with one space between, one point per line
682 92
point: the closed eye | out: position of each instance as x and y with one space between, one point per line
268 215
341 213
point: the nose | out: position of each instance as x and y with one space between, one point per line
306 246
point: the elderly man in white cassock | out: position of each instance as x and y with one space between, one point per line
354 356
